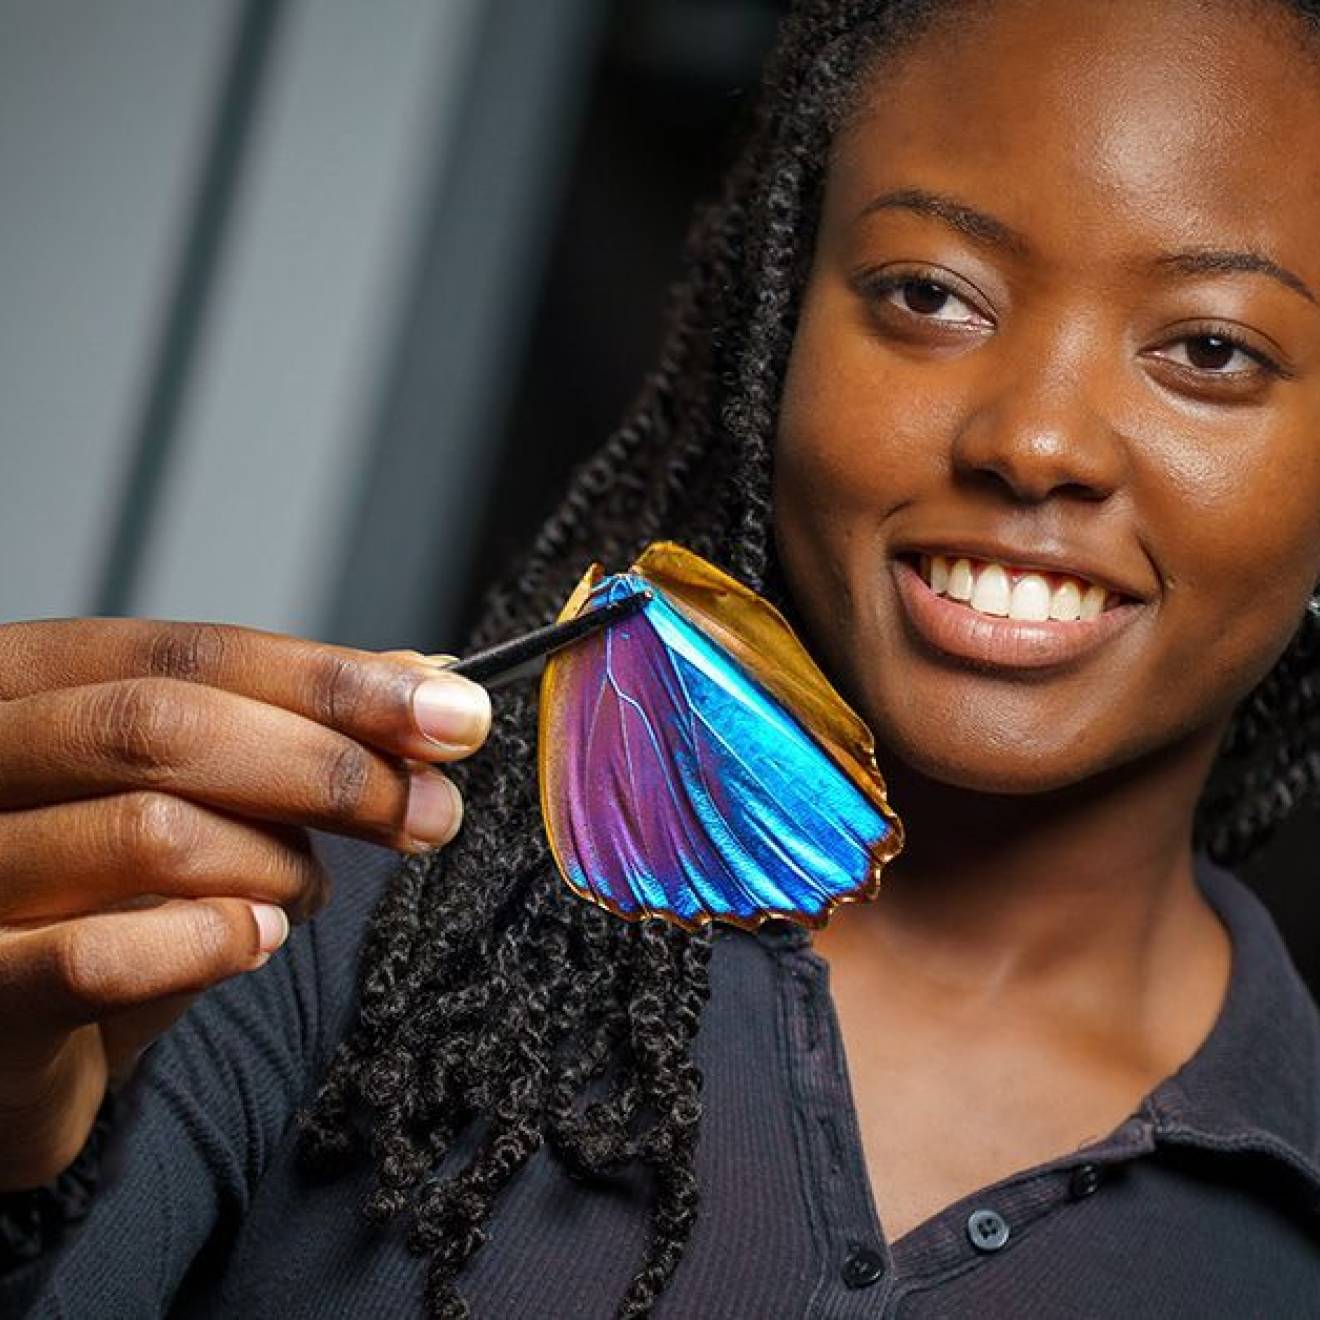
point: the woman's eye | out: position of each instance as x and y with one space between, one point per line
1217 354
927 299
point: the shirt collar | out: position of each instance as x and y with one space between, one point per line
1254 1084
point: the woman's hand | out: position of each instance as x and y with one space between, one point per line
156 780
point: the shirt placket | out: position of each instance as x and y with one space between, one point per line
984 1227
856 1268
861 1273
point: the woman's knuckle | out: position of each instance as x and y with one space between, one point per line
346 778
148 726
339 691
194 652
84 969
158 833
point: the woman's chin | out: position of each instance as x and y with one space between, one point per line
980 764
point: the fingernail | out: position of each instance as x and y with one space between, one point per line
435 808
452 711
272 926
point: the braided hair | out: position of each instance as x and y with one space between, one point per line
491 999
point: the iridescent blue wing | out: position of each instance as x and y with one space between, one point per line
677 782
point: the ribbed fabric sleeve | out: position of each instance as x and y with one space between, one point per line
207 1106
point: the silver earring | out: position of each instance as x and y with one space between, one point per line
1313 606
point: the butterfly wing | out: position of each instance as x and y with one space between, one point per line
676 782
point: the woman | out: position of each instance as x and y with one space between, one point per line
1006 309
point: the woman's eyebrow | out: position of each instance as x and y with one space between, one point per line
989 229
962 217
1202 261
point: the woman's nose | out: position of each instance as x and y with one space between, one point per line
1037 434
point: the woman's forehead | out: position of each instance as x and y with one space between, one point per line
1188 115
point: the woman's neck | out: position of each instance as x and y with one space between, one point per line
1089 887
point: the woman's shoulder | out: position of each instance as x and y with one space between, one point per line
1265 979
1256 1080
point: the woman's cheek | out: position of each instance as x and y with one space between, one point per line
858 435
1232 596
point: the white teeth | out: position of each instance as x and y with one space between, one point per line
939 574
990 595
988 589
1066 603
1093 602
1030 599
960 580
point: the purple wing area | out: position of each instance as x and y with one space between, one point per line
673 784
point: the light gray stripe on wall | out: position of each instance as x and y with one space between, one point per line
104 112
491 217
183 324
270 447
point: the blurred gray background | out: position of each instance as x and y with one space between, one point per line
309 306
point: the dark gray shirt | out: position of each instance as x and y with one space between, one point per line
1204 1203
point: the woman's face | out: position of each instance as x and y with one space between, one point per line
1062 317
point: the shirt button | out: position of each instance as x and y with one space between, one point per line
863 1268
1085 1179
988 1230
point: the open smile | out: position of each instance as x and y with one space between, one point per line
1000 616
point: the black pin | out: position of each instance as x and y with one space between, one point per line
513 659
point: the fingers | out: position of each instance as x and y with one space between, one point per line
398 701
219 749
148 842
57 977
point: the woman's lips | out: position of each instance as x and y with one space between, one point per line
958 630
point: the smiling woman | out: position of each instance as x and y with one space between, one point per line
1052 359
997 370
1059 330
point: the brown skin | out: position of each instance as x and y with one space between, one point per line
1040 957
158 780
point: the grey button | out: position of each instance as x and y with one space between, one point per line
988 1230
1085 1179
863 1268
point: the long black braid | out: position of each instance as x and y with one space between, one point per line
491 999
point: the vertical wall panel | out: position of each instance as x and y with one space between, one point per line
269 392
462 338
103 109
269 448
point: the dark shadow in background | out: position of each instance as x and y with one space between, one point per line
656 138
672 78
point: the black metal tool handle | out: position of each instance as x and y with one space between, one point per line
489 665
